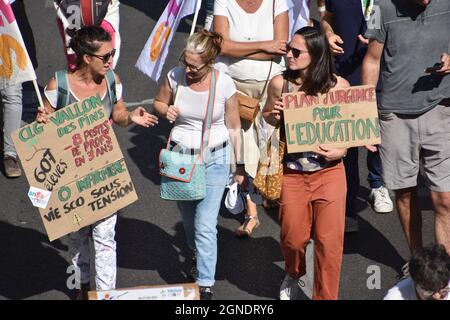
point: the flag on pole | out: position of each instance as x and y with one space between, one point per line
152 58
15 63
299 15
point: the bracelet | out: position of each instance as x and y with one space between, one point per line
322 8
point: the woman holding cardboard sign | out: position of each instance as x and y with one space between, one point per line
314 187
93 76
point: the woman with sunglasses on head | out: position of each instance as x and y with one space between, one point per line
183 100
93 76
314 186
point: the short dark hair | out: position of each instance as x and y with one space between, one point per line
321 77
88 40
429 267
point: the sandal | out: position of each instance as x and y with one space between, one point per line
245 230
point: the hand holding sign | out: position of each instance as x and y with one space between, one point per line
329 153
42 115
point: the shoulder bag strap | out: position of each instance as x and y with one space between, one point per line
271 61
179 85
209 113
111 86
62 89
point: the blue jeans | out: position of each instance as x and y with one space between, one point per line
352 173
200 217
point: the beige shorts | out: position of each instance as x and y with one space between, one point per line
410 142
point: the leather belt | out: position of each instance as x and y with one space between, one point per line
181 149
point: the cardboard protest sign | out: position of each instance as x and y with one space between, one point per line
343 118
76 157
187 291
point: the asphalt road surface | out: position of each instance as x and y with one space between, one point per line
151 247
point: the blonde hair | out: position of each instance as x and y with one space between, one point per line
205 43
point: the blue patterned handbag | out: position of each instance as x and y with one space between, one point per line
183 175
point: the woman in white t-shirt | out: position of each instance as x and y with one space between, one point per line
255 34
95 53
189 86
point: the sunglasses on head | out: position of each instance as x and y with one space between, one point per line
295 52
105 58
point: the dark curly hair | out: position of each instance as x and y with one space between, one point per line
88 40
429 267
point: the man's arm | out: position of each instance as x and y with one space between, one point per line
334 40
370 70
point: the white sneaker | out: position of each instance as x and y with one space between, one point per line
290 287
381 201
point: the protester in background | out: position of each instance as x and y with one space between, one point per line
11 97
94 52
344 23
68 22
313 187
252 50
192 83
429 276
414 111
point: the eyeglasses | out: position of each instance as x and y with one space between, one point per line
105 58
190 66
295 52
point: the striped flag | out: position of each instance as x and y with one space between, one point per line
152 58
15 64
